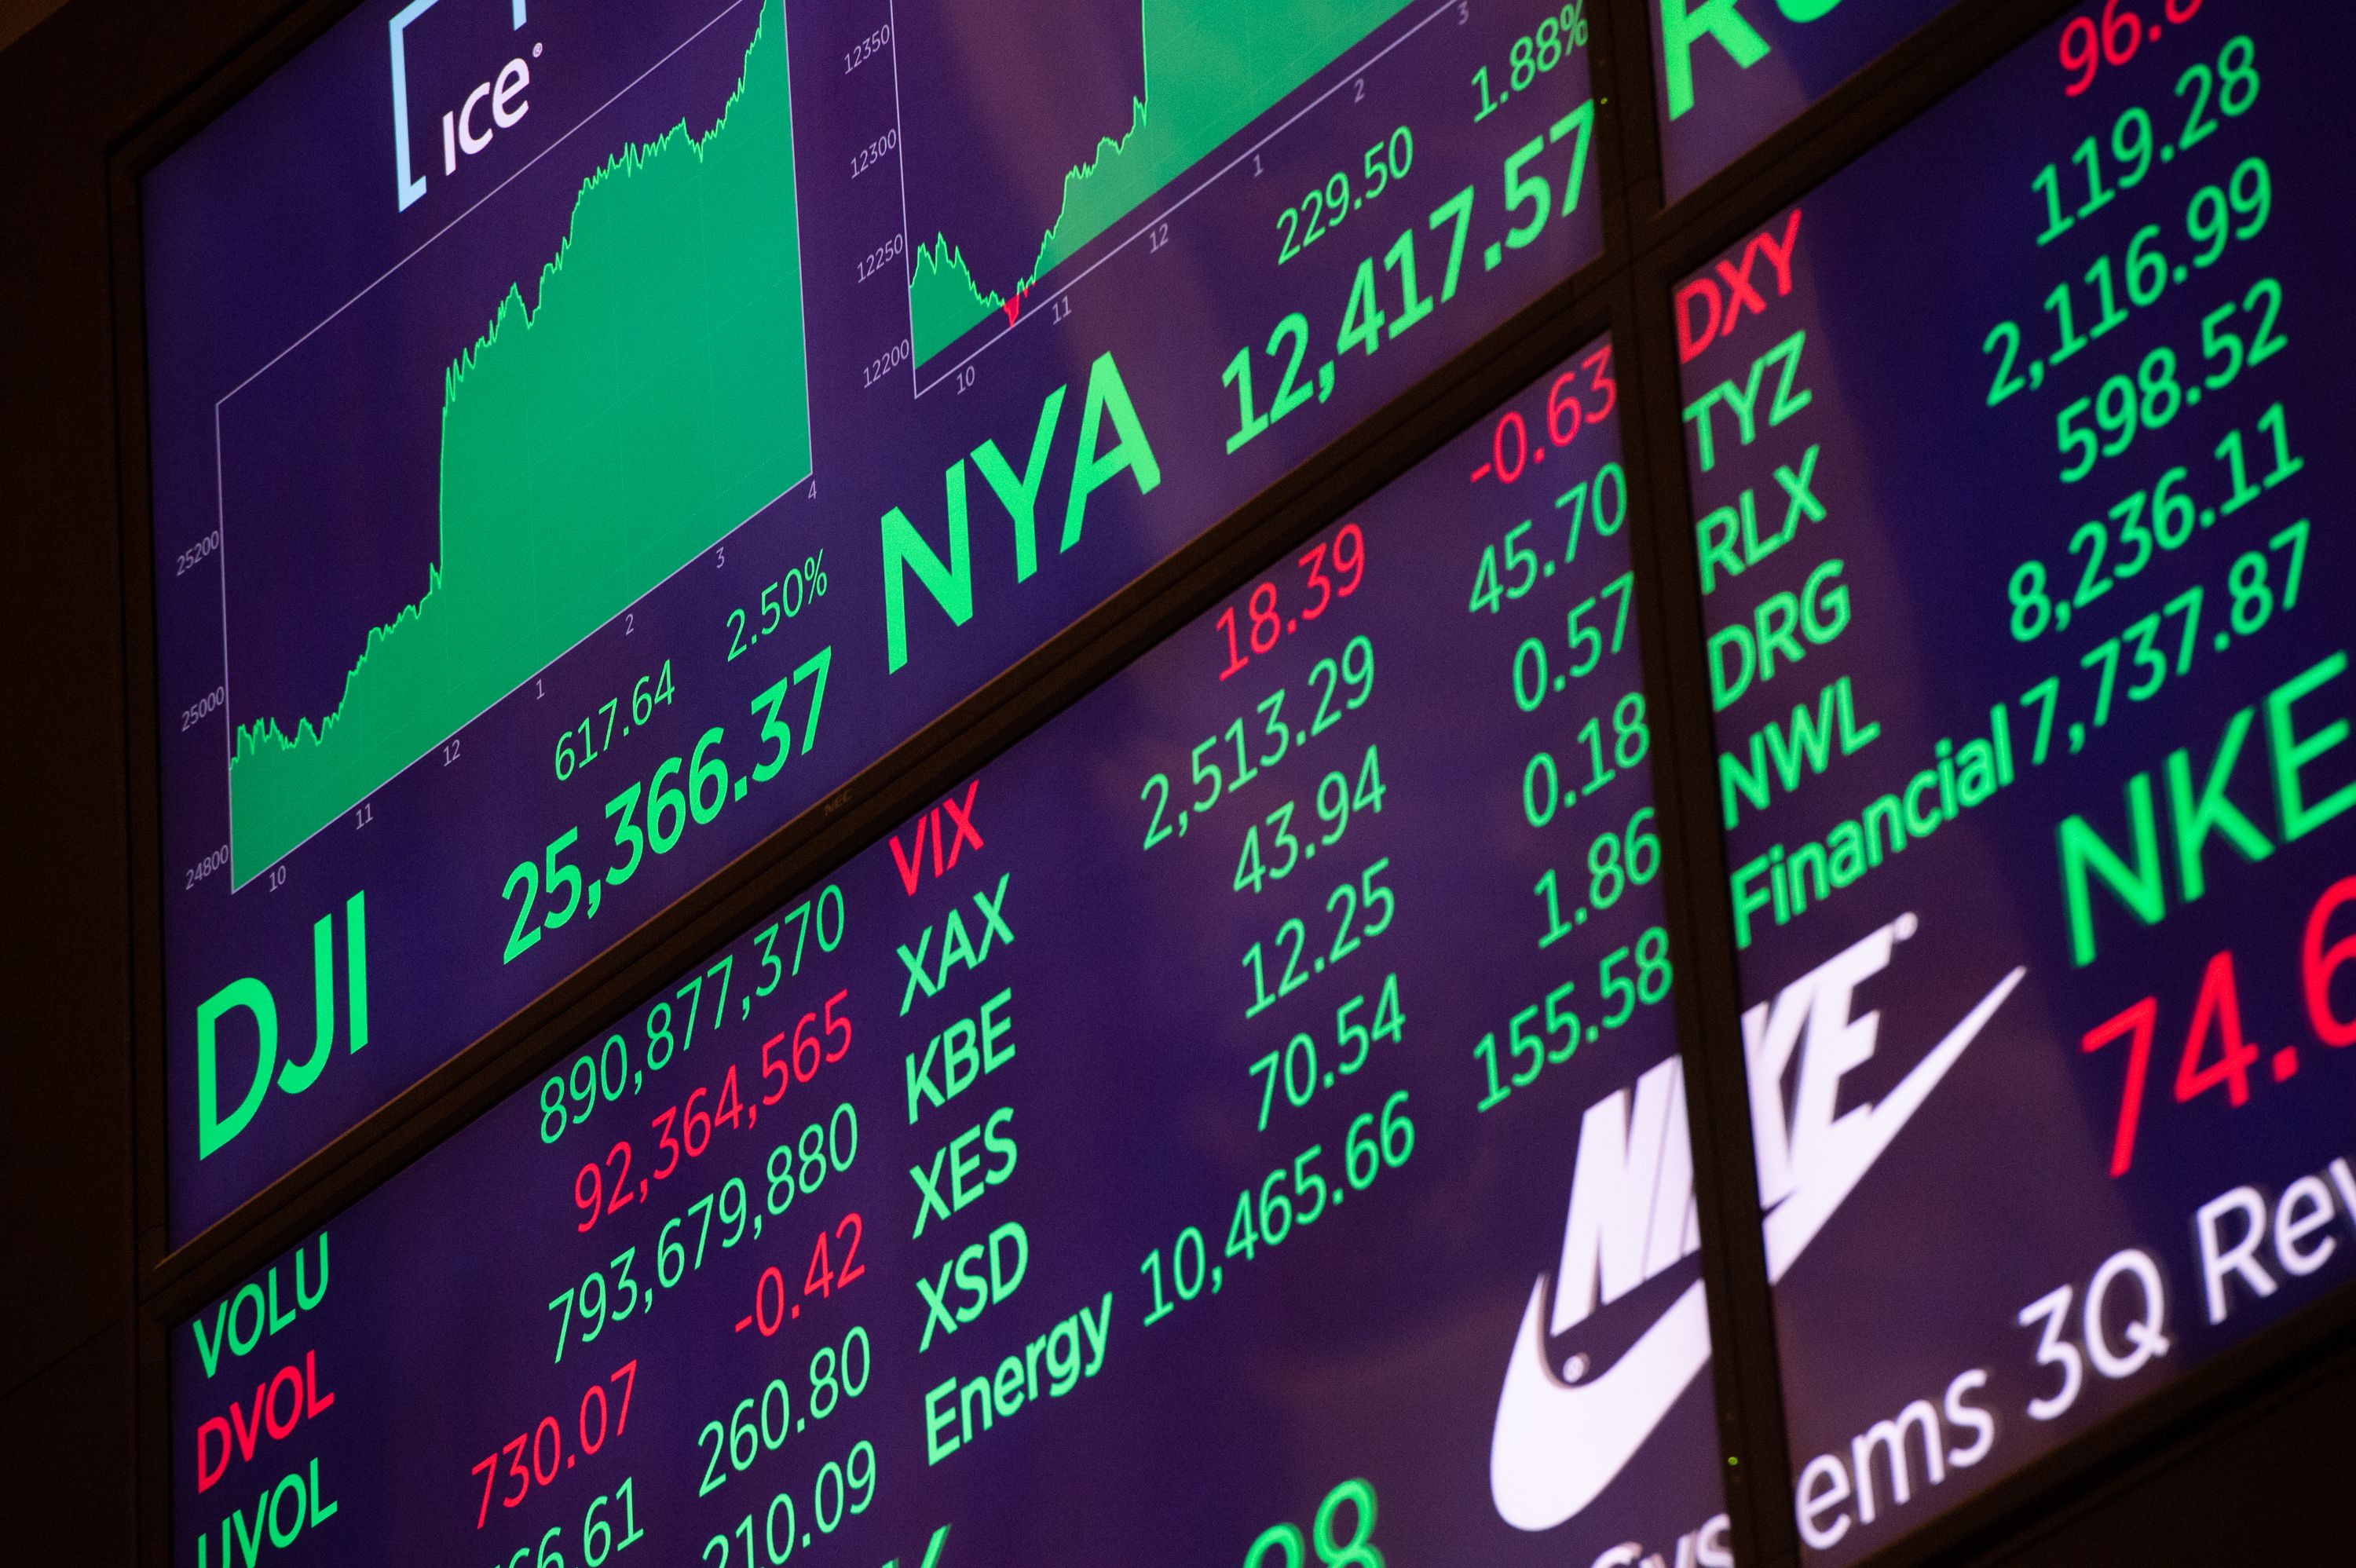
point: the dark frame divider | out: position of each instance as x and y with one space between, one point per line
1626 292
1744 1380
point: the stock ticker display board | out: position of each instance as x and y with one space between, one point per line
2019 478
722 389
1266 1072
1247 1077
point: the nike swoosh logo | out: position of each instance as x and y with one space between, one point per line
1557 1445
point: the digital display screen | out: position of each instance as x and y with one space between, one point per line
1261 1074
2014 451
1730 73
586 435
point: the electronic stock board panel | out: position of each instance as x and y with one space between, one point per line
1261 1075
1263 1072
587 434
2020 480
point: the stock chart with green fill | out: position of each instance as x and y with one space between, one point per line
591 446
1206 71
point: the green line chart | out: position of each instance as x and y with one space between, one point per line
1211 67
654 398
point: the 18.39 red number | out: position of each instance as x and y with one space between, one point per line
1331 568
